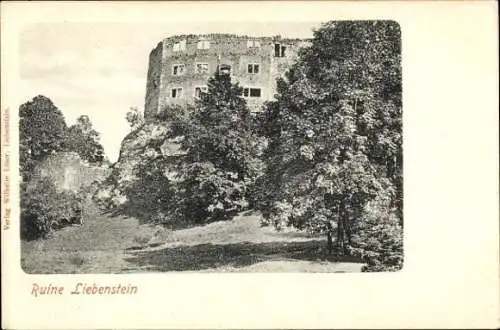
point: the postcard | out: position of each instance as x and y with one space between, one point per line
250 165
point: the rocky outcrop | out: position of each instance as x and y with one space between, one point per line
145 144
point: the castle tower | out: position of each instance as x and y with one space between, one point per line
180 66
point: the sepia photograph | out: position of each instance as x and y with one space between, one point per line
271 149
290 164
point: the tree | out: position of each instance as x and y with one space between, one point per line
42 131
135 118
379 238
220 160
83 139
335 132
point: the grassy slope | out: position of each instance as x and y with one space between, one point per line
120 245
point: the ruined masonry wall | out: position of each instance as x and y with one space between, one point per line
224 49
153 80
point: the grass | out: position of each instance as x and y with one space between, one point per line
77 259
120 244
142 238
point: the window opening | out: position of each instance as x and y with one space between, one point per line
176 93
253 44
178 70
203 44
279 50
199 91
253 68
252 92
201 67
180 45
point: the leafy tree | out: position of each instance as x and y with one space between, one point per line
42 131
135 118
83 139
335 132
154 194
220 160
379 238
178 118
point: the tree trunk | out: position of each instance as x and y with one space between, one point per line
329 203
340 236
343 230
349 238
329 237
330 241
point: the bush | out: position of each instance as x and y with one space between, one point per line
44 209
152 195
211 194
379 241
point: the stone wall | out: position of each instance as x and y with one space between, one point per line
229 50
153 80
69 172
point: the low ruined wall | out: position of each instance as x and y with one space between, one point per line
69 172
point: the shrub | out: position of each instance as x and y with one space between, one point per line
211 194
152 195
379 240
44 209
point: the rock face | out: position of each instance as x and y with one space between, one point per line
141 146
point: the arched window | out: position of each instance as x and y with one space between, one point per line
199 91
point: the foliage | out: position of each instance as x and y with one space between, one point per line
379 239
42 131
177 116
209 176
334 132
135 118
173 113
210 193
83 139
220 162
44 209
332 156
153 194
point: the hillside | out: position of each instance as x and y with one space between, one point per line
108 244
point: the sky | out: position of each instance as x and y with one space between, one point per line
100 69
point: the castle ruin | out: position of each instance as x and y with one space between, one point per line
180 66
